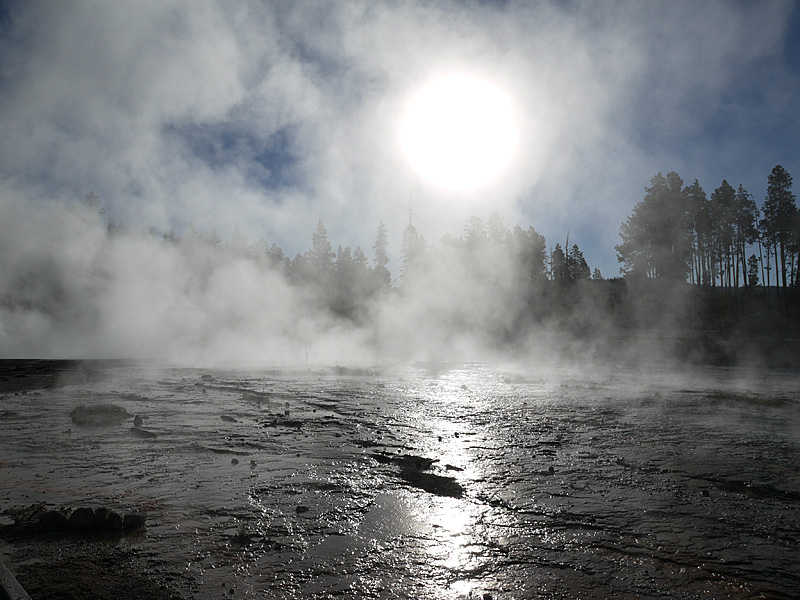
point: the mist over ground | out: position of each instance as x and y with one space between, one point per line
75 286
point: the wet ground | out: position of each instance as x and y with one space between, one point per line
415 481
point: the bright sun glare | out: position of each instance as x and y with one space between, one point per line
459 132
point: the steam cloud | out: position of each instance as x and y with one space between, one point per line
268 117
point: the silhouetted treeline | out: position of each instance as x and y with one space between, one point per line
678 232
694 266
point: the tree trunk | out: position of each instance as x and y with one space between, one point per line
783 266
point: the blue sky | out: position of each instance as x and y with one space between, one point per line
270 116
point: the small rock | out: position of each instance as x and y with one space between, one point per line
242 536
551 470
301 509
229 419
98 414
234 461
86 518
53 519
142 433
114 521
133 521
705 493
101 514
137 421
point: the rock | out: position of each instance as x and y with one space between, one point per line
53 519
137 421
133 521
242 536
142 433
405 461
86 518
26 515
101 514
302 509
433 484
234 461
229 419
114 521
98 415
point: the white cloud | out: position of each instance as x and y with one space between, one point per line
94 92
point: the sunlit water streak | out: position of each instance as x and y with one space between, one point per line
631 483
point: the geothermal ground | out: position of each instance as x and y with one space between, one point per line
411 481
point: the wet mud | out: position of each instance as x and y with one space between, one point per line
416 481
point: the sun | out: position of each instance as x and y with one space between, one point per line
459 132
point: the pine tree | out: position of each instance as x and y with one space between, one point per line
381 273
723 218
496 229
558 265
412 250
320 256
655 241
577 268
699 224
745 232
779 220
752 271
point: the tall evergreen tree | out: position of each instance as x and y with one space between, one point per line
558 265
655 241
496 229
382 275
723 218
412 250
577 268
745 232
474 233
779 219
277 258
320 256
238 244
699 226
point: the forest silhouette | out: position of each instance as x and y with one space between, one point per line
703 278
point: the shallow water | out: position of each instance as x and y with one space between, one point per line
639 484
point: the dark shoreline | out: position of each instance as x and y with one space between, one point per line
24 374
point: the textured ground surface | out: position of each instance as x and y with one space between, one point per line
423 481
